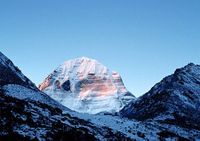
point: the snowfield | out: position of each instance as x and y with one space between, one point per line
87 86
23 93
170 111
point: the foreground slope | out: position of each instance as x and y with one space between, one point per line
28 114
174 101
87 86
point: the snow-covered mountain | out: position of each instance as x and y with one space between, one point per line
175 100
87 86
29 114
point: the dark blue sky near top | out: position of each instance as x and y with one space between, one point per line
143 40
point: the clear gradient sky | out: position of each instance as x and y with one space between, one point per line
144 40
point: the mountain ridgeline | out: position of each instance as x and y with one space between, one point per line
87 86
83 100
174 100
29 114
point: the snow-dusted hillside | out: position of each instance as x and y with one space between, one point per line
86 86
28 114
170 111
175 100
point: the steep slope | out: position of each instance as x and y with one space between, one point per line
175 100
28 114
86 86
11 74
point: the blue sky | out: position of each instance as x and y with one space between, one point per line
143 40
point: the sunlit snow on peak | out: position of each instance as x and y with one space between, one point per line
87 86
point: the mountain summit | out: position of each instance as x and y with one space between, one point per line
169 111
87 86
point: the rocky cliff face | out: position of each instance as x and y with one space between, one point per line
11 74
86 86
28 114
170 111
174 100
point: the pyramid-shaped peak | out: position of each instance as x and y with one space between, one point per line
87 86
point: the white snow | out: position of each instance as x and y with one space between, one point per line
93 87
23 93
128 127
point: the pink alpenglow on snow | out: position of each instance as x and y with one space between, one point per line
85 85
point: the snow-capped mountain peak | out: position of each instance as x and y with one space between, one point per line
82 67
170 111
85 85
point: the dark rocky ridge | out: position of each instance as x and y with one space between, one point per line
174 100
29 119
10 74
